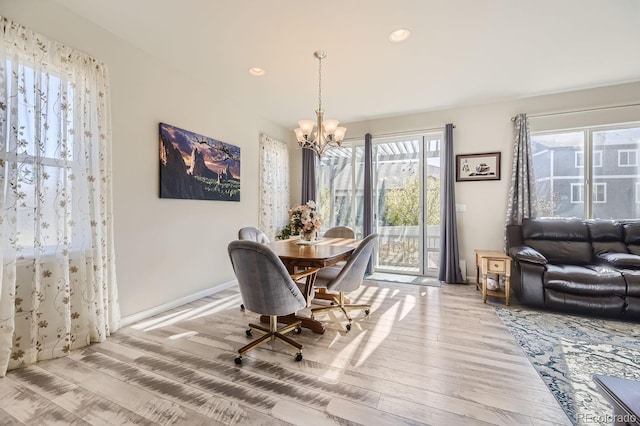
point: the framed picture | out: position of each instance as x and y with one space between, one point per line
478 166
197 167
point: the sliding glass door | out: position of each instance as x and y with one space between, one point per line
406 186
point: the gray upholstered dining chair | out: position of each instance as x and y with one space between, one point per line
267 288
340 232
251 233
346 279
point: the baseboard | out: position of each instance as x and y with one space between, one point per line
139 316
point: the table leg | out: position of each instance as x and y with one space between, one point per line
484 288
507 288
311 324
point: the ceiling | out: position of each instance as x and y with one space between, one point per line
461 52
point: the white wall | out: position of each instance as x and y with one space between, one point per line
165 249
488 128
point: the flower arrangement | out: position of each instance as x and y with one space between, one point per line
305 220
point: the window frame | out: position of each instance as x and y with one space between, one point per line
579 185
593 196
628 151
592 159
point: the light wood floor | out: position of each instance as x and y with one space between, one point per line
425 355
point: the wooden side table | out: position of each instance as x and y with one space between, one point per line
493 262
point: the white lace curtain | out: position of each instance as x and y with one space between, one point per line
57 259
274 185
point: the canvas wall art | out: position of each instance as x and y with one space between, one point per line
198 167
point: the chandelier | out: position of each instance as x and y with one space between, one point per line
327 133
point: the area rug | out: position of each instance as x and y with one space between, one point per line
568 350
406 279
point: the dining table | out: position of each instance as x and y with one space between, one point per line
321 253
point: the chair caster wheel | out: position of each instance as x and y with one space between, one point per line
298 330
238 360
299 357
249 333
348 327
367 311
242 307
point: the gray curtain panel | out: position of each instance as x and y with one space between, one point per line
449 255
367 217
521 198
308 176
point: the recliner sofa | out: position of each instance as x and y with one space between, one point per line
580 266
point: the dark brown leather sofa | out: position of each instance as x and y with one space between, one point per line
581 266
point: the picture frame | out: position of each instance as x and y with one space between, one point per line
475 167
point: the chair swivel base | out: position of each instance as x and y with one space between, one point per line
344 307
272 333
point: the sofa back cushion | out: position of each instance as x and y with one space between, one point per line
607 236
559 240
632 237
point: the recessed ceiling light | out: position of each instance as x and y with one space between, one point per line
399 35
256 71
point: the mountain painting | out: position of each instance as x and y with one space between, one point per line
197 167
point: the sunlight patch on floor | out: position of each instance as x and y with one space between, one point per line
379 333
187 314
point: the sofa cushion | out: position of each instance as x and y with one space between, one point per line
632 237
632 277
589 280
555 229
621 260
607 236
559 240
632 308
573 252
605 306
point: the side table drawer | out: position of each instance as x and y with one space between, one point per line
497 265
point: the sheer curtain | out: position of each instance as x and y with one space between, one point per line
58 272
520 203
274 185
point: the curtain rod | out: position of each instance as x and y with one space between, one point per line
407 132
579 110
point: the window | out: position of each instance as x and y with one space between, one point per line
577 193
599 192
589 172
43 159
597 159
627 158
637 192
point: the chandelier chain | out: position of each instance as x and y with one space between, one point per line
320 83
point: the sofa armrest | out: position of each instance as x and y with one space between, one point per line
527 254
621 260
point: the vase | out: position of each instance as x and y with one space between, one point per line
308 237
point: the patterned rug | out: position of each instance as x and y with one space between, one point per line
568 350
